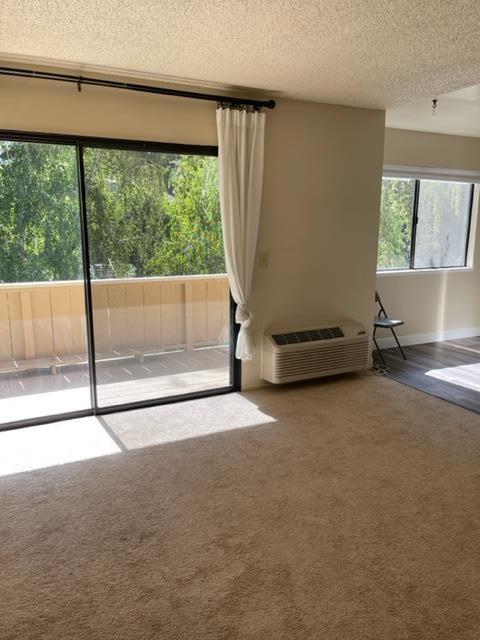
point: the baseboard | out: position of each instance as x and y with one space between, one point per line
434 336
256 385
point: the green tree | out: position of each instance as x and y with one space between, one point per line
39 213
441 232
191 241
149 214
125 208
443 214
395 230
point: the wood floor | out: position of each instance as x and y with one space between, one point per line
448 370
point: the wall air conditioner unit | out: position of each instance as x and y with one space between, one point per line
312 353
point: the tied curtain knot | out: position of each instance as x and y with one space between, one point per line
243 316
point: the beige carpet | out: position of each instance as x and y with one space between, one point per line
349 509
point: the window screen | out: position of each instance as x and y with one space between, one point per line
442 226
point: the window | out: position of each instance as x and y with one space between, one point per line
424 224
113 289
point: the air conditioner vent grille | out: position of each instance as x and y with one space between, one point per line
311 335
317 360
312 353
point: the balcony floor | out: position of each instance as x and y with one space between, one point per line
38 392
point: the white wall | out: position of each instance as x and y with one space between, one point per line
319 218
437 304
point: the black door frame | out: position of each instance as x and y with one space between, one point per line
79 143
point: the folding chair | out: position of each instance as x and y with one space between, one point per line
382 321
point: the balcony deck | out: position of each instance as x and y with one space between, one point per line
31 393
154 338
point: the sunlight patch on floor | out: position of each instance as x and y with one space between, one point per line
37 405
67 441
53 444
467 376
184 420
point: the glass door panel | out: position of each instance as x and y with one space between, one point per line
160 296
43 349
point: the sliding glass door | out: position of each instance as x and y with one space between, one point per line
160 297
112 277
43 347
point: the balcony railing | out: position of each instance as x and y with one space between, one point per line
45 321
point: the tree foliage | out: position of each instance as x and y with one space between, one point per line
443 220
39 223
192 240
158 214
395 230
442 228
149 214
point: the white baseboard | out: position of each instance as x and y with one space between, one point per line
422 338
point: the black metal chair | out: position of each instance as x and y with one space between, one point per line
382 321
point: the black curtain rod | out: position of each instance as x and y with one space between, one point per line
113 84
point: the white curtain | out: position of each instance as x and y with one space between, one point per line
240 161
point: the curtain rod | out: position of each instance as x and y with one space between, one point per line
113 84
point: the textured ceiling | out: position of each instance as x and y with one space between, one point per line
372 53
457 112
